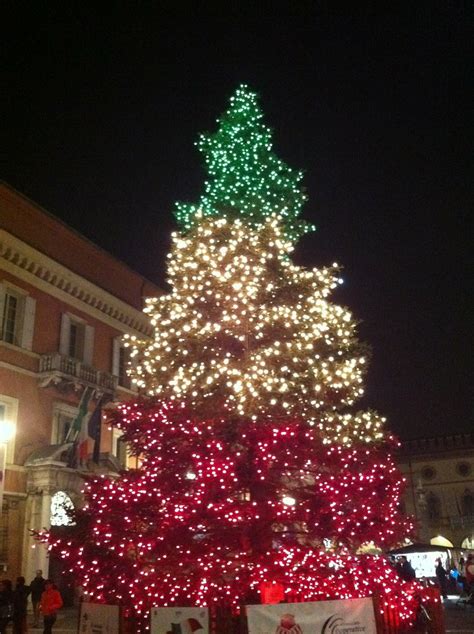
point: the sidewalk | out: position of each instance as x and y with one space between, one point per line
65 624
458 619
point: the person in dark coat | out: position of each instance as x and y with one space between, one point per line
6 604
37 589
442 577
405 569
20 602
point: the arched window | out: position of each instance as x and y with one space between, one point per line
439 540
433 506
61 504
468 542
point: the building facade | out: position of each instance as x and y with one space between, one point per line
65 305
440 488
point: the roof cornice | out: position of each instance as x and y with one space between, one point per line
29 264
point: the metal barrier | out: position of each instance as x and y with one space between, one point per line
222 620
388 620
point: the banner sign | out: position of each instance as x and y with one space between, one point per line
97 618
179 621
351 616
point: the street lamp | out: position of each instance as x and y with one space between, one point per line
7 431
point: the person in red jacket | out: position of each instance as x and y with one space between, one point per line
469 573
51 601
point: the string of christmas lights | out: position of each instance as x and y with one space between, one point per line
216 509
246 179
246 330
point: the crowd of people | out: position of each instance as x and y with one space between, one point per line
457 578
45 598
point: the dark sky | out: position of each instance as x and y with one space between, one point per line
102 108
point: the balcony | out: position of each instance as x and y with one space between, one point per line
56 369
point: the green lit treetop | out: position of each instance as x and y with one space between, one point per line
246 179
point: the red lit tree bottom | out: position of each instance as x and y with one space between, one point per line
219 507
305 575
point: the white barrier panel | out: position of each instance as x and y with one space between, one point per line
97 618
351 616
179 621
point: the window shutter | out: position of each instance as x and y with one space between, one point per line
65 334
88 344
28 323
116 343
2 307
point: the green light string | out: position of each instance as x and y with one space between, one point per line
245 177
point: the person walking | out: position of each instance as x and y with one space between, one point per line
37 589
50 603
20 602
6 604
469 574
442 575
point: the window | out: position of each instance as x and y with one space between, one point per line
119 448
468 503
11 318
124 357
433 506
428 473
76 339
121 362
468 542
63 416
464 469
17 312
9 412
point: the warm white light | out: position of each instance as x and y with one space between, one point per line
288 500
190 475
61 503
221 334
7 430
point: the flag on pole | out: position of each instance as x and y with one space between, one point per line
95 428
78 432
77 423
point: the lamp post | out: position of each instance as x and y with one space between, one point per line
7 430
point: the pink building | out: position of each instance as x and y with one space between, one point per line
64 306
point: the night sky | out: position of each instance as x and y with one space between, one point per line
102 108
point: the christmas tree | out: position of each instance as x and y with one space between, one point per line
254 467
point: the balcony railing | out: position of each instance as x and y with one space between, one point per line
63 367
449 522
463 521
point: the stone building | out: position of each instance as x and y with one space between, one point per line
440 492
64 306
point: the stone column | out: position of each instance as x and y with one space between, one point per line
38 504
44 480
